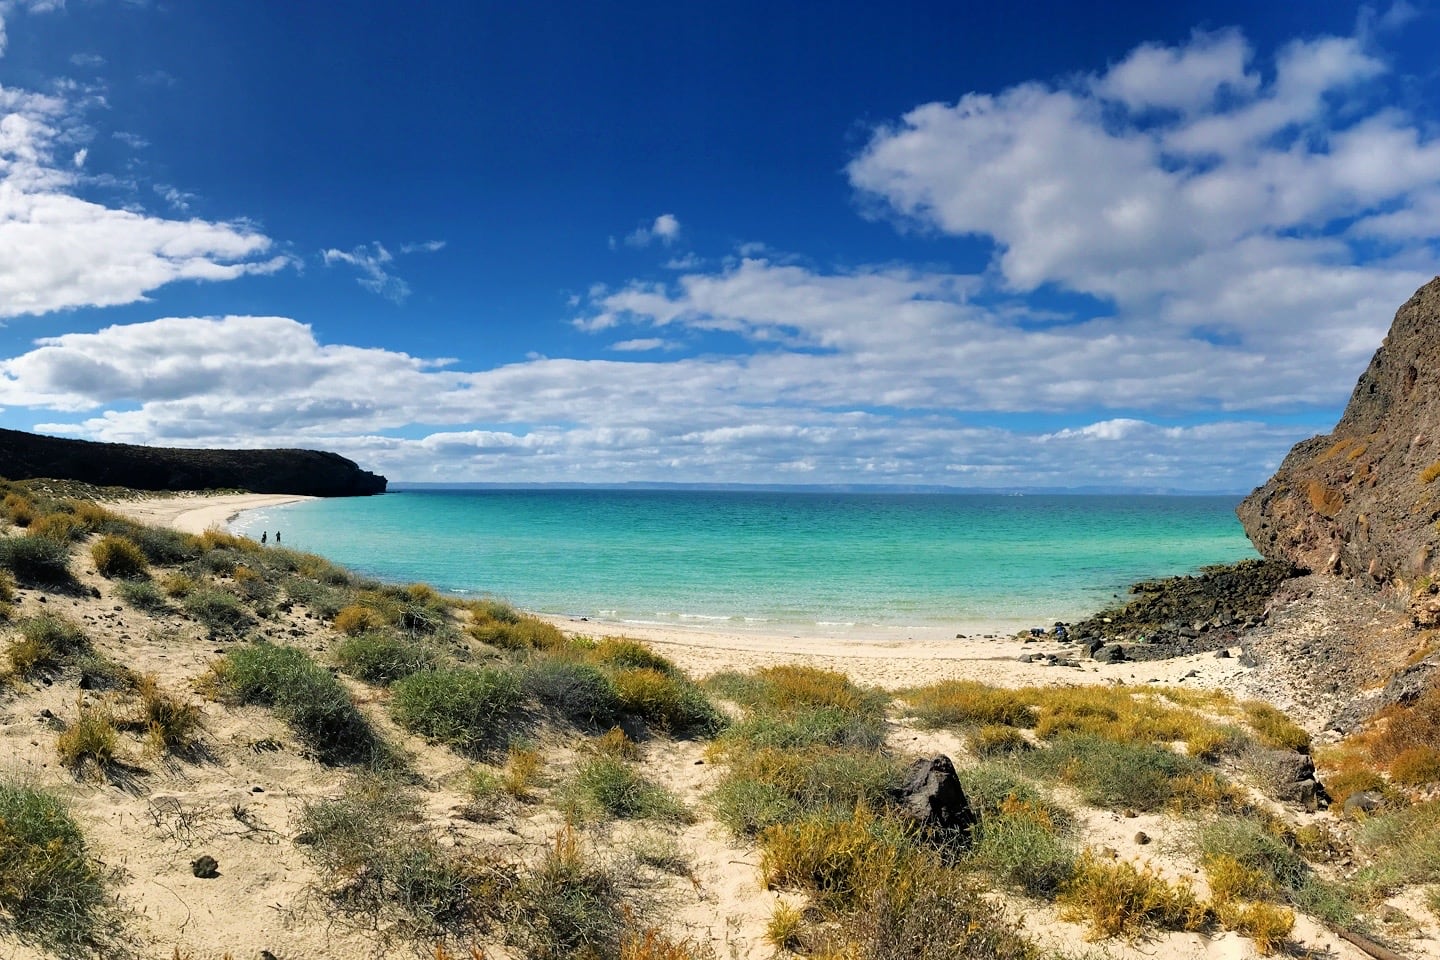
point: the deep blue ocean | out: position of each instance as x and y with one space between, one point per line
861 563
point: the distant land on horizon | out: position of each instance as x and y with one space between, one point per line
1086 491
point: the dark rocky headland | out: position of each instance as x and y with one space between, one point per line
314 473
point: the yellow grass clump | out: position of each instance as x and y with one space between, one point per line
117 556
1118 899
357 619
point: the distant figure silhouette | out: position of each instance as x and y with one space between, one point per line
263 535
277 536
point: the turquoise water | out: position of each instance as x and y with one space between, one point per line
867 563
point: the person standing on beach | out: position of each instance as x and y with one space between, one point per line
277 536
263 535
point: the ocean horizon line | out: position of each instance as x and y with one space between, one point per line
398 486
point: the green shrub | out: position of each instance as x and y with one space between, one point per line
50 891
667 702
994 740
383 658
163 546
467 709
571 905
526 633
36 559
930 913
1023 847
1274 728
118 557
621 653
1112 774
143 595
307 697
1250 845
965 702
767 786
605 788
577 691
46 642
219 610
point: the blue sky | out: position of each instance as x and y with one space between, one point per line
751 242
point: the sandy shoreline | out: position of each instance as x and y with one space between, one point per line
985 652
196 513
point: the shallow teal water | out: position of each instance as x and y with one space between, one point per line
770 561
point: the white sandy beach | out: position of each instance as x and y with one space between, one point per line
196 513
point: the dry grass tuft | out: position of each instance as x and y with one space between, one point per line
1117 899
117 556
92 738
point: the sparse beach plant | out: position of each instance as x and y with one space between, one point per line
92 738
571 904
786 926
118 557
358 619
143 595
51 892
622 652
470 710
1274 728
964 702
62 528
615 742
579 692
179 585
998 740
1112 774
522 773
46 642
383 658
930 913
18 509
667 702
170 724
1416 767
1118 899
36 559
604 788
163 546
307 697
526 633
1022 848
837 860
386 865
219 610
1266 924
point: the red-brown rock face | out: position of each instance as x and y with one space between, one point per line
1364 500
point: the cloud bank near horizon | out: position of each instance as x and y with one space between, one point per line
1238 230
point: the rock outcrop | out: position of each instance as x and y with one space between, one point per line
1364 500
25 456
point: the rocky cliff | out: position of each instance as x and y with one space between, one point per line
24 456
1364 500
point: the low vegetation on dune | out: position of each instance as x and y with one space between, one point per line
469 780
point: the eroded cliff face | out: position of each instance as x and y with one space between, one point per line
1364 500
25 456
